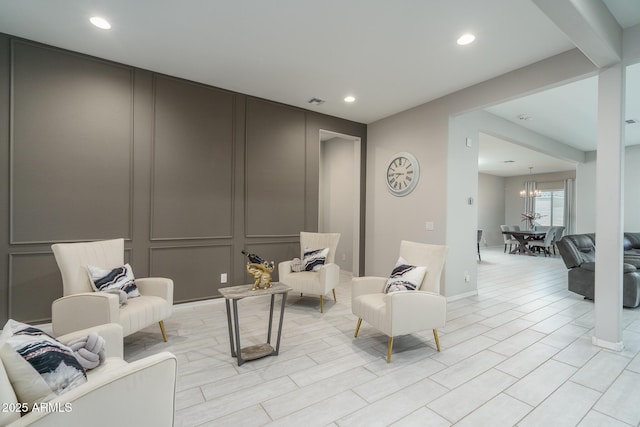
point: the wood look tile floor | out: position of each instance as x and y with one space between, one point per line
518 353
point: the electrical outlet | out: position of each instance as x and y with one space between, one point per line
223 278
467 277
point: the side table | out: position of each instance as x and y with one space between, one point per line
235 293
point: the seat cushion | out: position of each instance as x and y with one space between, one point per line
138 313
306 282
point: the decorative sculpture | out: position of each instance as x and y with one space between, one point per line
260 270
261 274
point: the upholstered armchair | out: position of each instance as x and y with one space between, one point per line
405 311
81 307
318 282
118 393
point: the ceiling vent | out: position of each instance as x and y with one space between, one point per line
509 161
632 121
316 101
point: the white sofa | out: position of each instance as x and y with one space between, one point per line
117 393
81 307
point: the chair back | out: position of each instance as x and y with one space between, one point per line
550 237
430 256
320 241
559 233
515 228
479 236
505 237
73 259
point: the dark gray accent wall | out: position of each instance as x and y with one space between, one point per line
188 174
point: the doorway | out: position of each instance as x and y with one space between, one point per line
339 195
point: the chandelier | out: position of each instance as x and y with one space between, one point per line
529 190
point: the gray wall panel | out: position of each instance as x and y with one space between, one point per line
187 173
34 284
195 270
71 146
275 169
192 167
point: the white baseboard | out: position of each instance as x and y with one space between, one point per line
615 346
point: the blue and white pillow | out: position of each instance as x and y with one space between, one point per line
38 366
313 259
114 280
405 277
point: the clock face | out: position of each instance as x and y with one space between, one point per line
403 173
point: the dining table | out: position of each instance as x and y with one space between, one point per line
524 237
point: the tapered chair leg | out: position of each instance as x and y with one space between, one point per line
321 304
358 327
389 347
164 334
435 335
334 295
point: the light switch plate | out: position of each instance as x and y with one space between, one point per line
223 278
429 226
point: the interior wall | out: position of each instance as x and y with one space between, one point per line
586 194
491 208
424 131
337 196
514 204
188 174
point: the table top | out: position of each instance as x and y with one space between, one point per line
526 233
244 291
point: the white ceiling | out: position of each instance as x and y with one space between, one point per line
391 55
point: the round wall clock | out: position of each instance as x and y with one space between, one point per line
403 172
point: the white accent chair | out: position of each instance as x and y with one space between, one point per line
140 393
81 307
314 282
404 312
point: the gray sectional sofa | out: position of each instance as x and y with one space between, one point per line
578 252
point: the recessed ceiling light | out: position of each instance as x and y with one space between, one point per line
100 22
349 99
466 39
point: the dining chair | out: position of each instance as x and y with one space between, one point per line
546 243
508 239
558 235
479 239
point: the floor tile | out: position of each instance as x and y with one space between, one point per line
527 360
601 371
501 411
622 400
540 383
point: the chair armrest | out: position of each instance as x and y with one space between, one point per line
156 286
284 269
367 285
412 311
589 266
110 396
111 332
330 276
84 310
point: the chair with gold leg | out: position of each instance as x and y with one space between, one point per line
82 307
320 274
407 302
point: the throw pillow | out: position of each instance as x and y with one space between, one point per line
296 265
38 366
405 277
119 278
313 259
88 350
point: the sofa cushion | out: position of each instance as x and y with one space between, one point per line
313 259
116 279
38 366
405 277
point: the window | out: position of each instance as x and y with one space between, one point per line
550 204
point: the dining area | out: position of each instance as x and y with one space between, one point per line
538 240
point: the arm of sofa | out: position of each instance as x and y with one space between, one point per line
140 393
111 332
84 310
156 286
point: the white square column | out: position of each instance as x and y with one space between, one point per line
609 208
